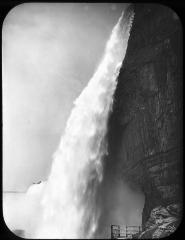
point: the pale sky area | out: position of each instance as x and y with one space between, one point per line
50 52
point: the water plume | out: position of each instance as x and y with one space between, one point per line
68 202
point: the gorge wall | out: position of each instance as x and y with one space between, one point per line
145 128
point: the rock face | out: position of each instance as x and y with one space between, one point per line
145 128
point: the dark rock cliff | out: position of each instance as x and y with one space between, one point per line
145 129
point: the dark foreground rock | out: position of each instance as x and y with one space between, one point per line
162 222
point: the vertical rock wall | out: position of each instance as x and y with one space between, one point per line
145 132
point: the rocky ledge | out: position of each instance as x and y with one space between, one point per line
162 221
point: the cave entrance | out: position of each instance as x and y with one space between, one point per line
120 205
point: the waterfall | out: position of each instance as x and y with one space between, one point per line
68 201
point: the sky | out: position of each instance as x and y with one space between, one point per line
49 53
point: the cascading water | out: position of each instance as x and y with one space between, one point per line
68 202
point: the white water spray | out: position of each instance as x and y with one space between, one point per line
69 209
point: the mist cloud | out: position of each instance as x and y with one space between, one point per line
50 51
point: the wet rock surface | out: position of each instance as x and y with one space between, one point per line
162 222
145 128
